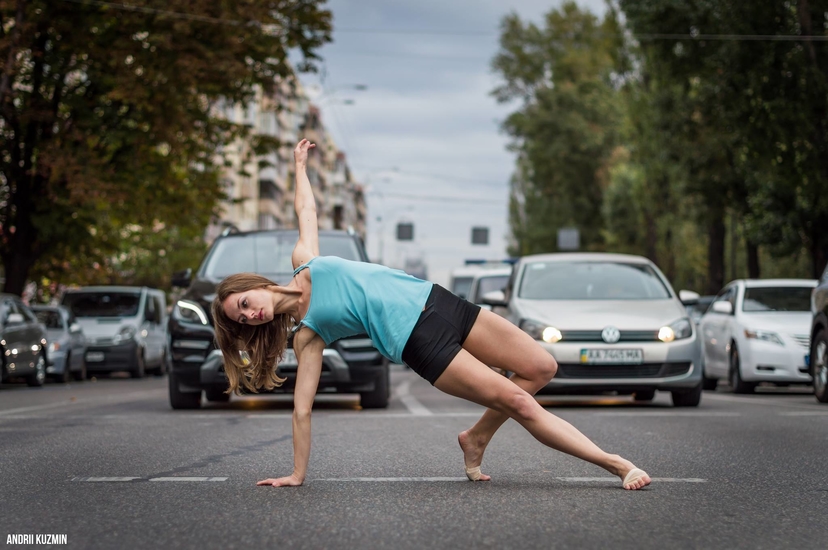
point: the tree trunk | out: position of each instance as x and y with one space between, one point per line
753 260
651 237
670 260
715 253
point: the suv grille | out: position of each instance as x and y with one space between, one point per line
595 336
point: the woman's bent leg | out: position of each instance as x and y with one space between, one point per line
468 378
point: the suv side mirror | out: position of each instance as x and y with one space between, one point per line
722 307
15 319
182 278
495 298
688 297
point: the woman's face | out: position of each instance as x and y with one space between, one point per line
252 307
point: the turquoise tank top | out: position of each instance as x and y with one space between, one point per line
350 298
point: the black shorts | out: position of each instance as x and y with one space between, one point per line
439 333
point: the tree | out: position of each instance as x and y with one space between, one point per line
565 129
107 116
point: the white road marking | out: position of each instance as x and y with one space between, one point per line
394 479
804 413
415 407
119 479
748 400
615 479
666 413
83 401
107 479
188 479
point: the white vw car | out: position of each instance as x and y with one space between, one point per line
612 321
757 331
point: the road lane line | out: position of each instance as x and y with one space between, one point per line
104 479
666 413
615 479
415 407
756 400
804 413
188 479
83 402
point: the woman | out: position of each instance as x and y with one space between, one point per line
446 340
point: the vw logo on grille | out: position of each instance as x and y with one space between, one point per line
610 335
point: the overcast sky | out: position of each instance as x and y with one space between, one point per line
425 135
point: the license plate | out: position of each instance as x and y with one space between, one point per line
808 360
95 356
289 359
612 356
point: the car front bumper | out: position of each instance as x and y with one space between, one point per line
769 362
665 366
115 358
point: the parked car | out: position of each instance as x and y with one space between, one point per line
125 327
819 338
22 342
349 365
758 331
473 280
612 322
66 349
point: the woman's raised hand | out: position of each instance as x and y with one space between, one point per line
289 481
300 154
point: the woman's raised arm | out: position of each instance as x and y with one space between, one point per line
305 205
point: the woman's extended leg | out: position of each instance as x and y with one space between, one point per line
468 378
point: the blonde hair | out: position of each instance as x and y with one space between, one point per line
264 343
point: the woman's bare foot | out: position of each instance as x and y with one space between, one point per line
632 478
472 456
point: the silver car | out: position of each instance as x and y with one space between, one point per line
612 322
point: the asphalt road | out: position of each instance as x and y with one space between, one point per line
738 472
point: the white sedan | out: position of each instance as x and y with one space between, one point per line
757 331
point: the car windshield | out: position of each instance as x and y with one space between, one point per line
777 298
461 286
102 304
488 284
49 318
591 281
268 253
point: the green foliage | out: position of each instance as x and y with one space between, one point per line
108 123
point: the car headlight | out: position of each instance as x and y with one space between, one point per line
541 331
763 335
676 331
189 312
124 335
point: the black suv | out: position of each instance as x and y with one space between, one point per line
350 365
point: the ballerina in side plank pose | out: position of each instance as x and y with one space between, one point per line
443 338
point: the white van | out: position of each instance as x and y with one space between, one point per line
125 326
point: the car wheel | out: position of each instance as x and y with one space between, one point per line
80 376
685 398
140 368
737 385
39 377
216 396
378 398
645 395
66 377
819 360
182 400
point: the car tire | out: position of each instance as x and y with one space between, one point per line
66 376
216 396
80 376
819 368
37 379
737 385
140 367
182 400
161 368
685 398
378 398
645 395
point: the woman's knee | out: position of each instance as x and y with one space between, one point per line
544 367
520 405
